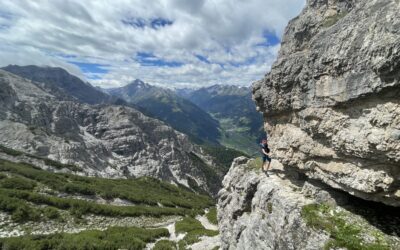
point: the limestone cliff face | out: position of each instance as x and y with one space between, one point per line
105 140
331 101
332 111
287 211
259 212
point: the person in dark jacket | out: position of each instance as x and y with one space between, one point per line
265 155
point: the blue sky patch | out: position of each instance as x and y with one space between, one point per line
3 26
134 22
94 77
141 23
270 39
160 22
203 59
149 59
91 67
64 56
6 15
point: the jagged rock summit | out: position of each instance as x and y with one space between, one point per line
165 105
331 101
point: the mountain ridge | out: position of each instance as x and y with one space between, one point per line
56 77
106 140
166 105
241 123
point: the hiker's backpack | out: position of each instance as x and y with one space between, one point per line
264 147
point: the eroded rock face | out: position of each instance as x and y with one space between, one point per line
331 101
105 140
256 211
259 212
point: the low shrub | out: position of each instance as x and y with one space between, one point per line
343 234
17 183
10 151
146 191
165 245
194 230
80 207
25 213
51 213
212 216
187 224
110 239
73 188
60 165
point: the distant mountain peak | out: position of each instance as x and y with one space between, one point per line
58 79
35 68
138 82
166 105
134 85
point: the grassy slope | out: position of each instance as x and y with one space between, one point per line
345 230
212 216
28 193
194 231
22 185
112 238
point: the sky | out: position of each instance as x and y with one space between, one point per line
170 43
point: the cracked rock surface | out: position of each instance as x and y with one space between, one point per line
331 101
256 211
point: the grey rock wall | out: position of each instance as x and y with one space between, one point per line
332 111
259 212
256 211
331 101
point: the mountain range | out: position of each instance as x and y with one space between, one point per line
167 106
74 158
104 140
241 124
222 115
219 114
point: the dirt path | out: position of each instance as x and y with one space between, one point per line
206 223
206 243
172 235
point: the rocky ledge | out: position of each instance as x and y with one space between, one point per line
331 101
288 211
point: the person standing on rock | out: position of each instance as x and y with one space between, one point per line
265 155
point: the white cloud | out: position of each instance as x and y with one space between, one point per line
223 32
